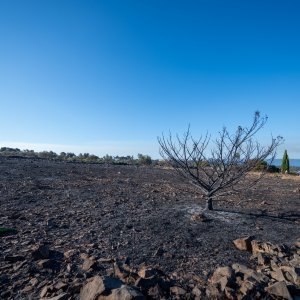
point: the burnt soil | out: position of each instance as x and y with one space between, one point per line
139 212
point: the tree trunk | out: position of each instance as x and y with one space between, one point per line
209 204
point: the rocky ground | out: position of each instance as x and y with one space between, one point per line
79 222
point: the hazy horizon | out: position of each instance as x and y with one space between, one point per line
294 161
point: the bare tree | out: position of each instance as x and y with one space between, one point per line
219 168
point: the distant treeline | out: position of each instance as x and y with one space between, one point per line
82 157
141 159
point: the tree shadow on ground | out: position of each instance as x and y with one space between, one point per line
285 216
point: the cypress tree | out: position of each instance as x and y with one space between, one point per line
285 165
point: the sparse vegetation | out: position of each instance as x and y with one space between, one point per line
81 157
144 159
262 166
273 169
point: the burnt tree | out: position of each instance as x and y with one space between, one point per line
219 167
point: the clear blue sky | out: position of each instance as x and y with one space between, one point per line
110 76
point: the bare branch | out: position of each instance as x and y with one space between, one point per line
232 156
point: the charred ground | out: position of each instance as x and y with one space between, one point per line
139 212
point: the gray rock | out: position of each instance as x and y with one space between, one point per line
244 244
155 292
295 261
45 263
145 284
120 272
70 254
199 217
263 259
63 296
124 293
196 292
248 286
279 289
145 272
291 274
46 289
212 292
34 281
88 264
60 286
97 285
178 291
222 276
249 273
27 289
277 275
269 248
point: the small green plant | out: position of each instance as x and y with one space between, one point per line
285 165
261 166
144 159
7 231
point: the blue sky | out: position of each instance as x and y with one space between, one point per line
110 76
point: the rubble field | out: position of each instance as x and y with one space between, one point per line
139 231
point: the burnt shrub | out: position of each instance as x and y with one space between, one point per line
273 169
